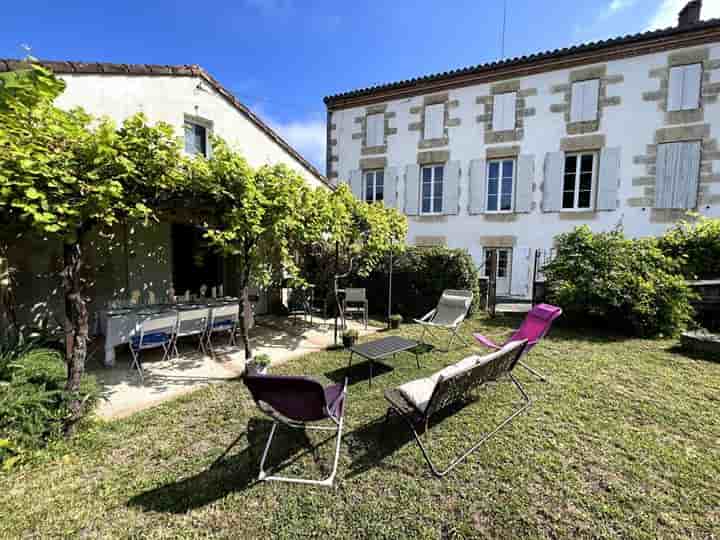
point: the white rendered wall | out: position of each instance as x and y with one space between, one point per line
630 126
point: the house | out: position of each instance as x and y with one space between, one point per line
504 156
148 260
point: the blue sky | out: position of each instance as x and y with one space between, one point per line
281 57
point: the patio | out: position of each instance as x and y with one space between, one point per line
281 338
621 443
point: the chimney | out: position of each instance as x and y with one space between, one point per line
690 14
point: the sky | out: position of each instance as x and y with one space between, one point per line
281 57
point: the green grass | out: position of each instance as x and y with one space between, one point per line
623 443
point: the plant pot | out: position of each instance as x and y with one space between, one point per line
394 324
349 341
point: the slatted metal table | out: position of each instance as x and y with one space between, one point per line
382 348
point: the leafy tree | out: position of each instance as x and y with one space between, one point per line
696 246
63 173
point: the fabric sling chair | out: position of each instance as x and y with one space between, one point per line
417 401
449 314
536 325
295 402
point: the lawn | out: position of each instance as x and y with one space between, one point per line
623 442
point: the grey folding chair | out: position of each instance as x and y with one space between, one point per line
152 332
356 302
451 311
192 322
223 319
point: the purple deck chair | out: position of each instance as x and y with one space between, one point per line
536 324
295 402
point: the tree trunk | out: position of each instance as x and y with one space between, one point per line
8 313
76 328
244 280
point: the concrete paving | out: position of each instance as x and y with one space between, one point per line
282 339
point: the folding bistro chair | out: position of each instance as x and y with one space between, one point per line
449 314
192 322
152 332
356 302
417 401
223 318
537 323
295 402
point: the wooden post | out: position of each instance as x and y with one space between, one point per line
492 283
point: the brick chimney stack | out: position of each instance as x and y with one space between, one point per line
690 14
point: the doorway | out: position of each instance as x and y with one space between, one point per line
504 263
194 262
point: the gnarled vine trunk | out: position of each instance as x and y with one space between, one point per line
244 280
76 328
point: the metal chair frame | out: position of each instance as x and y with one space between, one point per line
187 316
454 328
150 325
230 312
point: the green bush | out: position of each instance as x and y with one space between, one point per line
33 402
420 275
695 245
630 284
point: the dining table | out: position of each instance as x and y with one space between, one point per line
119 324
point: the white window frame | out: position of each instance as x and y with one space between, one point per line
367 175
433 168
508 262
206 125
685 100
375 130
593 185
499 192
428 132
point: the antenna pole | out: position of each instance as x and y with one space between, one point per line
502 39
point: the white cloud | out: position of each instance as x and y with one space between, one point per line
666 13
308 137
615 7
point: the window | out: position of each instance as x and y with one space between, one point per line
503 258
504 111
677 174
684 87
432 189
434 121
374 186
578 181
584 101
375 134
196 141
500 180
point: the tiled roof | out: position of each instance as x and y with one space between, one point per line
628 40
67 67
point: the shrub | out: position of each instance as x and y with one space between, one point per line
696 246
629 283
420 275
33 401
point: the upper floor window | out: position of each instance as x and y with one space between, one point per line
431 177
500 181
196 138
434 121
578 181
584 101
374 186
375 133
504 111
684 87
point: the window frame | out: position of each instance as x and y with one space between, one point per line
576 190
206 125
432 167
511 210
374 173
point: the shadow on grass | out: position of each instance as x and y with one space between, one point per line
358 372
229 472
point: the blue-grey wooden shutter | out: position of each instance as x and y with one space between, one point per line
608 179
552 182
356 182
451 185
677 175
476 203
687 192
390 187
412 189
523 184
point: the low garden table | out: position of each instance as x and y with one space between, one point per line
382 348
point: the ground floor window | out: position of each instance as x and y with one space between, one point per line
374 186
